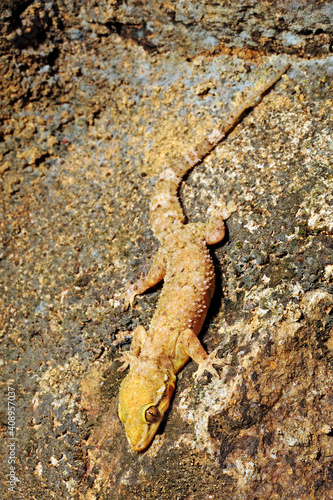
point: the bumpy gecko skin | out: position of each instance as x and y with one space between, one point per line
184 262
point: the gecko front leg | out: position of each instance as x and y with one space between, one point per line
190 343
155 275
128 357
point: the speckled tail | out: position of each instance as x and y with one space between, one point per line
165 210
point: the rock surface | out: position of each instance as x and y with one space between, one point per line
96 97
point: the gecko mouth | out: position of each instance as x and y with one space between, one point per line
144 440
140 447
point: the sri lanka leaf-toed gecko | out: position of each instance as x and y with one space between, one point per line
184 262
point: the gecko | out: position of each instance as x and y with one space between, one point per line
184 263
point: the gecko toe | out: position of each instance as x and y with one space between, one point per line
207 365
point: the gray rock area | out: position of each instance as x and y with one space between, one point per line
97 96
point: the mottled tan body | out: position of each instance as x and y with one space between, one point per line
184 262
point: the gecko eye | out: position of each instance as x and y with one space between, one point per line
152 414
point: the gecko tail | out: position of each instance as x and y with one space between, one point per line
166 213
165 210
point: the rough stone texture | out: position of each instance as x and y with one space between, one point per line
96 97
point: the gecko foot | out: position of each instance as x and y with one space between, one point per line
122 337
132 291
207 365
226 209
129 297
127 358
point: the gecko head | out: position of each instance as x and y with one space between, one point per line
144 398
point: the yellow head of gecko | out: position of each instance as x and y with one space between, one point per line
143 400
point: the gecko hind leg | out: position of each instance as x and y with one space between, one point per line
215 228
155 275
